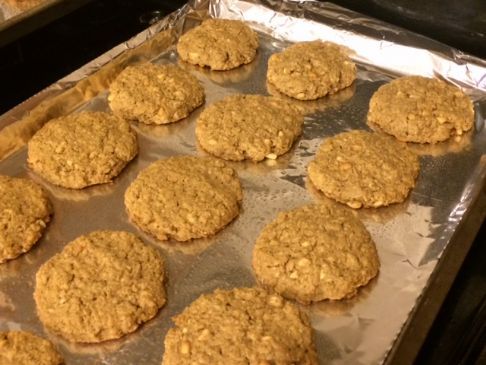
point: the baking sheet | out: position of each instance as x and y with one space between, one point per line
410 237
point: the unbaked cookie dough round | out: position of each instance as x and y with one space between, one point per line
79 150
101 286
155 94
420 109
239 327
219 44
363 169
252 127
25 211
310 70
184 197
25 348
315 252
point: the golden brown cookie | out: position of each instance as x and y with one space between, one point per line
315 252
79 150
311 70
307 107
363 169
101 286
219 44
239 327
420 109
248 127
184 197
155 94
25 348
25 211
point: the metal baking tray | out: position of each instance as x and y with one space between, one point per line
421 242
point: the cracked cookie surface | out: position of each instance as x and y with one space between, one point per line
420 109
25 211
311 70
252 127
239 327
184 197
219 44
315 252
101 286
155 94
363 169
79 150
25 348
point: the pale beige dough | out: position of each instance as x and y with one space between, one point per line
315 252
363 169
101 286
311 70
155 94
420 109
79 150
184 197
239 327
25 211
25 348
253 127
219 44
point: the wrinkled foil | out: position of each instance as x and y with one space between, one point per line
410 237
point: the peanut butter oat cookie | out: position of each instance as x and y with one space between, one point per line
155 94
420 109
24 213
363 169
102 286
184 197
79 150
252 127
314 253
310 70
24 348
239 327
220 44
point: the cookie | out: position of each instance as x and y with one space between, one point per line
102 286
155 94
315 252
24 348
25 211
219 44
79 150
311 70
184 197
248 127
420 109
239 327
363 169
308 107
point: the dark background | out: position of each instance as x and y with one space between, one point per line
34 61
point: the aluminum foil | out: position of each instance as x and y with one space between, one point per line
410 237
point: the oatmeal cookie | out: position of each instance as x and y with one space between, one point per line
252 127
219 44
420 109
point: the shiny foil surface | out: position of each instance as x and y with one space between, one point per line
410 237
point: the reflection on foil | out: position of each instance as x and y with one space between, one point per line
410 237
